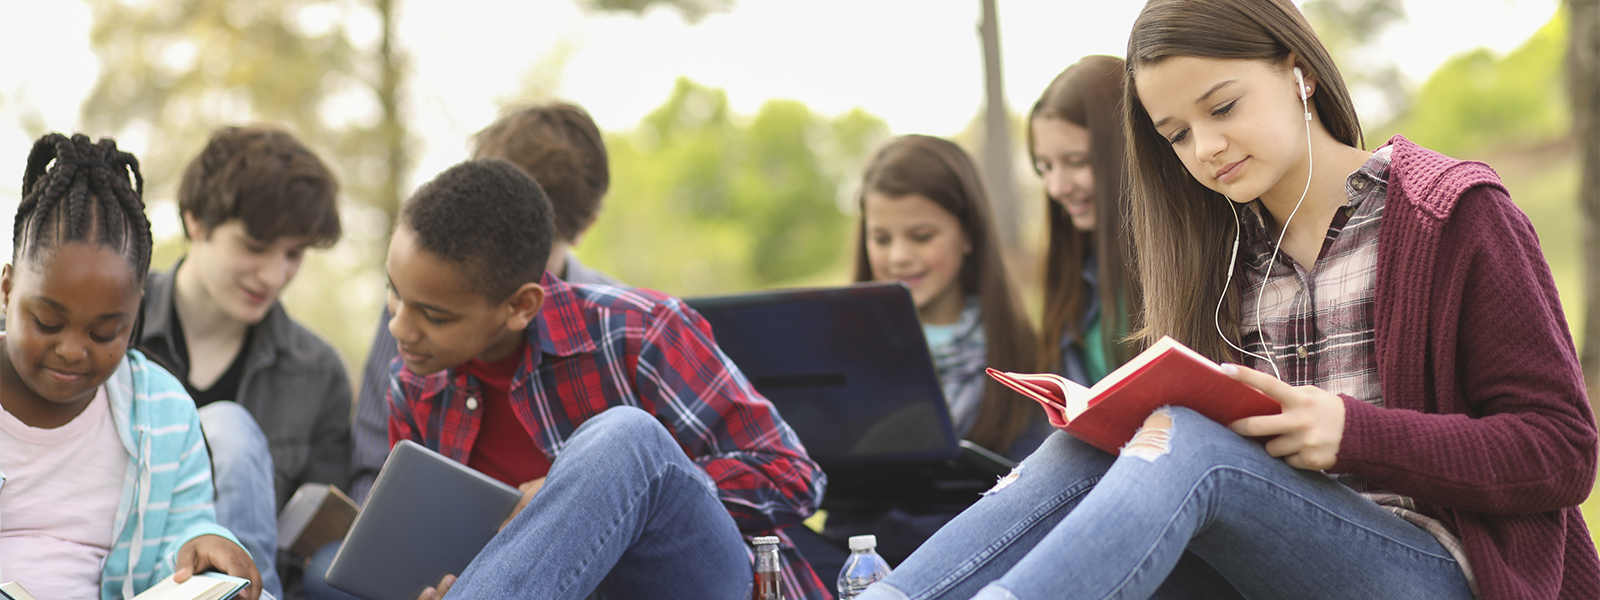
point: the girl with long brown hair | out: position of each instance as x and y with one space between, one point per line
926 221
1435 438
1075 141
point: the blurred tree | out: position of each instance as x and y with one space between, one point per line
704 202
174 71
693 10
1477 99
1583 82
999 176
1351 30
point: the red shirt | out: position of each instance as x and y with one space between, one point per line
504 449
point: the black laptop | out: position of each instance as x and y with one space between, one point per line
849 370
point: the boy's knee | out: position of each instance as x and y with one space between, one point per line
623 424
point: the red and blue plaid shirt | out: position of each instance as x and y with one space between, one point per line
596 347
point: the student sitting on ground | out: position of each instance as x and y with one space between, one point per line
557 144
611 408
104 472
252 202
926 221
1435 440
560 146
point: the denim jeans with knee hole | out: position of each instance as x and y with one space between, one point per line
623 513
242 470
1199 512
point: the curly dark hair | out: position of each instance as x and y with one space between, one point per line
488 216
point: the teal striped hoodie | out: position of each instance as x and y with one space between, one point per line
166 489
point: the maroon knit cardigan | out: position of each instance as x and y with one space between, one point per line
1487 422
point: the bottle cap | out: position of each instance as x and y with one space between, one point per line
863 542
766 539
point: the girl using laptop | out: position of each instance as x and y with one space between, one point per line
926 221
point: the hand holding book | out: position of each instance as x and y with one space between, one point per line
1307 432
212 552
1166 374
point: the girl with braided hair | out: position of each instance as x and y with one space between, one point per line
105 486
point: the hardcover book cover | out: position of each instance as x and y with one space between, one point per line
1166 374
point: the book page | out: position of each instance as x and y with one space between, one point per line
14 591
1077 397
204 586
1050 387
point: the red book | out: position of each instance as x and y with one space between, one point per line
1166 374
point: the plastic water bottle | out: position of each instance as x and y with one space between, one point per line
863 568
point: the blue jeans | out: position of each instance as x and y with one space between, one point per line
1205 514
623 513
242 470
316 579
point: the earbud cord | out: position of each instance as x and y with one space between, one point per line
1237 227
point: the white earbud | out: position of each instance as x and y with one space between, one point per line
1267 347
1300 82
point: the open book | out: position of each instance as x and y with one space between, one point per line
12 590
1167 373
204 586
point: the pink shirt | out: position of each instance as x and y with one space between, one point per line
59 501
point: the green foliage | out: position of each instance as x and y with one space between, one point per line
1352 31
701 202
1476 100
174 71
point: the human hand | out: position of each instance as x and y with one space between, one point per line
1307 433
214 552
529 488
437 592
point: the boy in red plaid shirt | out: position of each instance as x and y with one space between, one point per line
644 456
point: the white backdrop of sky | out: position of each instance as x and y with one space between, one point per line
917 64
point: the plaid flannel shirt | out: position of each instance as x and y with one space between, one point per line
596 347
1317 325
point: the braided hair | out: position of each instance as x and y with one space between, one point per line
75 190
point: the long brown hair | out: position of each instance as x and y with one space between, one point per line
1089 95
1181 228
943 173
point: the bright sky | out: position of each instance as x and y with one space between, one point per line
915 63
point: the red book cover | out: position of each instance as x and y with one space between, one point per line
1166 374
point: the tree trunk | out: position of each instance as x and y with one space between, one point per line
1583 77
998 176
391 128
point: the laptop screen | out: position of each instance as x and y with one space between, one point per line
848 369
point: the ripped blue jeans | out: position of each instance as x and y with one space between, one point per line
1188 511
